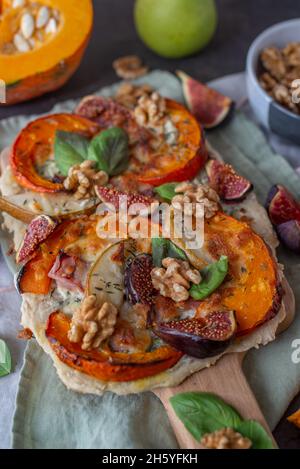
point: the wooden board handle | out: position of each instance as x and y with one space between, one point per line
225 379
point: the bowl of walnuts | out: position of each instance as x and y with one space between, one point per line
273 79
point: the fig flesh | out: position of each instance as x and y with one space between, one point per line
200 337
37 231
289 234
282 206
230 186
209 106
115 197
137 279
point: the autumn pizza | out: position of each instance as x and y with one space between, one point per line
130 313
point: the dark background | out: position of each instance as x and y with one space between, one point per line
114 35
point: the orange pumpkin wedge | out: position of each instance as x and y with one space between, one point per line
252 288
176 161
53 57
35 143
106 367
180 161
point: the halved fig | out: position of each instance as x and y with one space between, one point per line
289 234
113 196
37 231
105 278
198 337
282 206
112 366
152 164
209 106
230 186
138 282
34 145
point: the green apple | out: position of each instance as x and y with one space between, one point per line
175 28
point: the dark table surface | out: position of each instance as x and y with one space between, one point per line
114 35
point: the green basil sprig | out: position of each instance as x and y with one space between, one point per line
5 359
110 149
212 277
203 413
69 149
162 248
166 191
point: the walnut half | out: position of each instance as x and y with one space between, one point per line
92 324
226 438
193 194
174 279
82 179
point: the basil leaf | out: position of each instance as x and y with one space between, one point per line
162 248
166 191
69 149
203 412
110 149
212 277
256 433
5 359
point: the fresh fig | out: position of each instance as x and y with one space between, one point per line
289 234
282 206
209 106
200 338
37 231
114 196
137 279
230 186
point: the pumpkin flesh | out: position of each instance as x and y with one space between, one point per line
34 145
48 66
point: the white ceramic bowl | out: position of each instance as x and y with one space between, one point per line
271 114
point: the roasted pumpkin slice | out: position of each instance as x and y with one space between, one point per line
112 367
34 145
179 160
39 54
252 288
178 155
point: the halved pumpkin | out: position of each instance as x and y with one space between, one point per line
106 367
51 63
34 145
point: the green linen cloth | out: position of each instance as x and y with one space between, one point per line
49 416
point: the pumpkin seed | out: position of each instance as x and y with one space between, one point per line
56 14
42 18
27 25
20 43
51 27
18 3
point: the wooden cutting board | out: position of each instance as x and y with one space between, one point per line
226 379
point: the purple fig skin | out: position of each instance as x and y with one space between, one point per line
230 186
289 234
37 231
192 342
272 192
137 280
